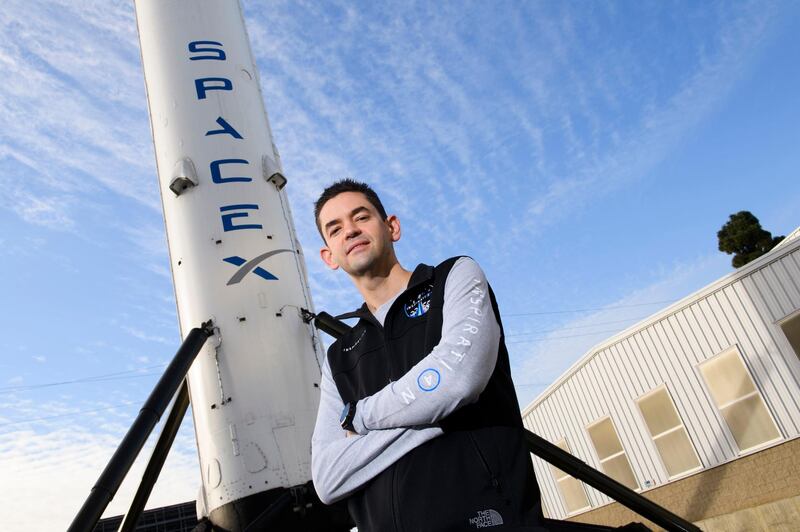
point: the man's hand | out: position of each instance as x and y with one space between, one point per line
348 433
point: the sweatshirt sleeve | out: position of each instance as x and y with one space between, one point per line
341 465
454 373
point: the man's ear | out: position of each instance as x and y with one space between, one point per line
393 223
327 257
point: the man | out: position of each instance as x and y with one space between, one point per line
418 426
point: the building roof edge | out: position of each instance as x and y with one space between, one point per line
790 244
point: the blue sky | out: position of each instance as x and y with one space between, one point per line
584 153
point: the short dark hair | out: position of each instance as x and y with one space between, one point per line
347 185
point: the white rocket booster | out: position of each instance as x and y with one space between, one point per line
233 250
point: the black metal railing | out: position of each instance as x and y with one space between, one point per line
563 460
174 377
128 450
157 459
622 494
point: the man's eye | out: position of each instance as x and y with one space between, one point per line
334 231
362 218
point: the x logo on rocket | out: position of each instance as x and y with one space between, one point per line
252 265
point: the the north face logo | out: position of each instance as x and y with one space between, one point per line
486 518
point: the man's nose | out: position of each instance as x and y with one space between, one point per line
351 230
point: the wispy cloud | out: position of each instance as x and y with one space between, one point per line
404 98
24 247
97 136
539 359
408 101
654 122
149 246
33 202
56 470
53 450
142 335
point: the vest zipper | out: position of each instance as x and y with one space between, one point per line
493 479
394 500
390 357
412 283
382 330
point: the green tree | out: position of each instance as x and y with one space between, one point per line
744 238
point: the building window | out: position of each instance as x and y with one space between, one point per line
791 328
613 459
668 432
738 400
572 491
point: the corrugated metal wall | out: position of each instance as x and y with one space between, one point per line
739 310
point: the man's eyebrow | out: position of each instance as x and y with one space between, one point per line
358 209
352 213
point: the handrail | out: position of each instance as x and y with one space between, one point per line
174 376
114 473
157 459
325 322
624 495
559 457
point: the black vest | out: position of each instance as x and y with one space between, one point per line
479 472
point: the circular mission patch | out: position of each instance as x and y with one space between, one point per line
429 380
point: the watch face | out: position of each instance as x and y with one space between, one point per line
344 413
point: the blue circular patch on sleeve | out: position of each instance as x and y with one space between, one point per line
429 380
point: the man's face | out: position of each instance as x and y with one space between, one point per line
356 238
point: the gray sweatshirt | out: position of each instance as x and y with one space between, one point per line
403 414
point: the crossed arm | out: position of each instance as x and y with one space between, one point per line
340 464
454 373
403 414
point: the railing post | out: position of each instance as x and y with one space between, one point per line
605 484
156 462
112 476
559 457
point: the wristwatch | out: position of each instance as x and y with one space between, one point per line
348 414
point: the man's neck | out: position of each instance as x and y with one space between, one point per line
378 288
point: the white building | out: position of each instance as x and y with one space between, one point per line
708 380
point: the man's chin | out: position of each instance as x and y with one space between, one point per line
356 270
359 266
